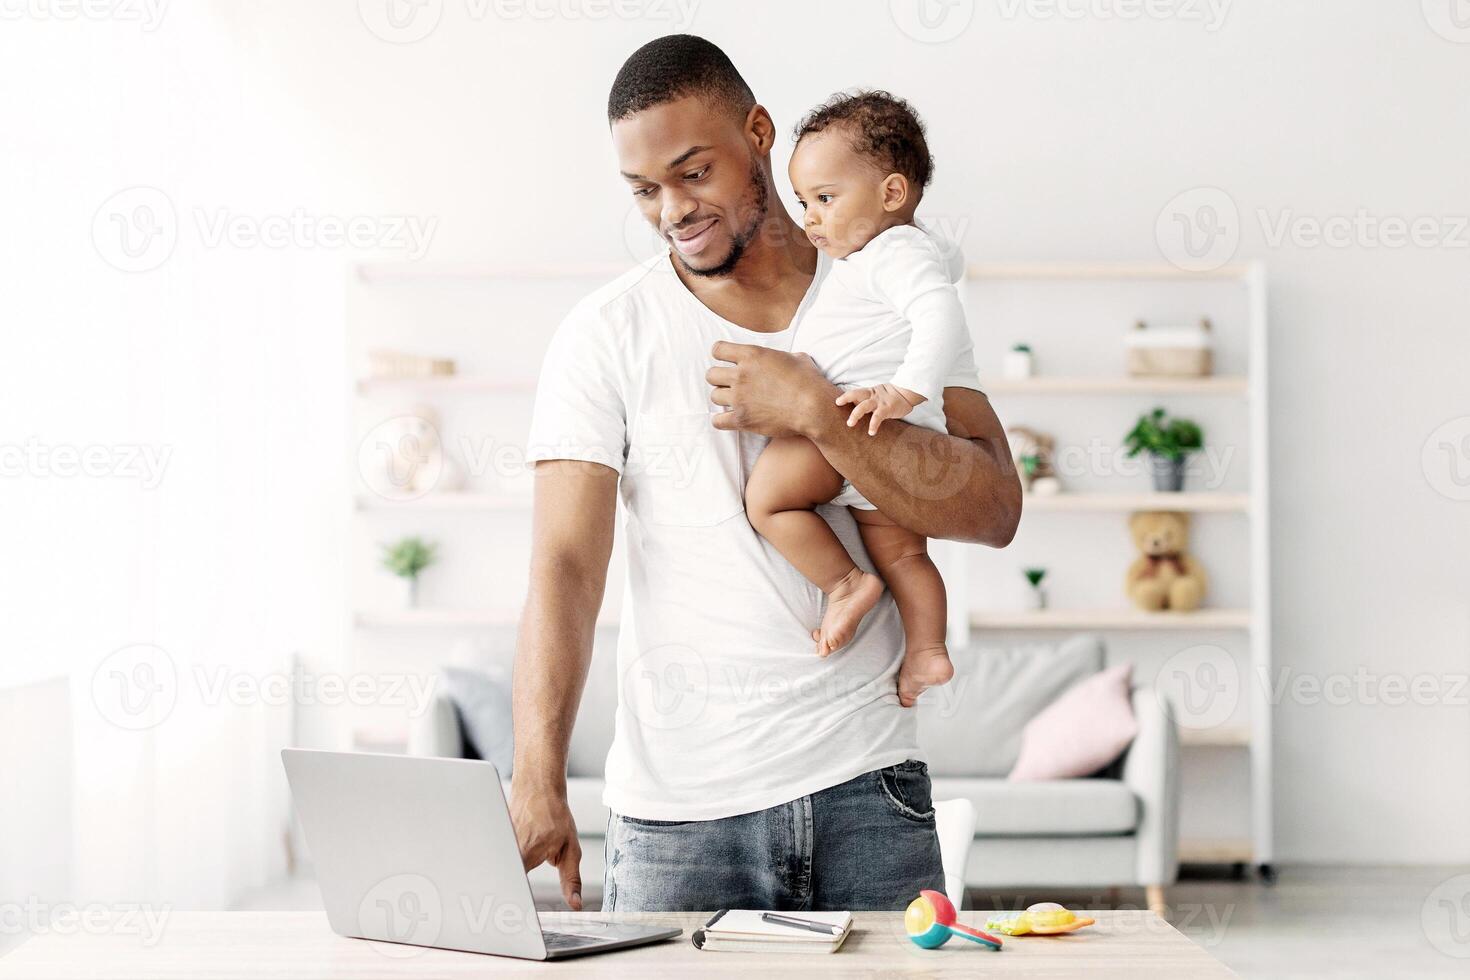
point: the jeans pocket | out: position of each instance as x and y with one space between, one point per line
636 822
907 790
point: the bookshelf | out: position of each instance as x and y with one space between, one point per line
489 317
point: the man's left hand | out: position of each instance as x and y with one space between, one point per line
769 392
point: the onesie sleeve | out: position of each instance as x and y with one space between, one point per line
915 278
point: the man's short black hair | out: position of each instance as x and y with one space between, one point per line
881 127
672 67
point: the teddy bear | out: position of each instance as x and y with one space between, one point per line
1164 576
1032 453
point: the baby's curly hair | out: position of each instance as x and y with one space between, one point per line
881 127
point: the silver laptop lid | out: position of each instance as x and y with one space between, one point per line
415 850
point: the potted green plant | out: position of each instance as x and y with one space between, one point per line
405 559
1019 362
1038 594
1168 442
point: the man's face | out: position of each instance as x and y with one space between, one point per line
697 178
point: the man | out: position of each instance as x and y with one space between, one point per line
744 771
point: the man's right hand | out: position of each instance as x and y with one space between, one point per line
546 834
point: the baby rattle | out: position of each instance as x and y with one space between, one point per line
1041 919
930 921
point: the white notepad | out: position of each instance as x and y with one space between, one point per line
736 930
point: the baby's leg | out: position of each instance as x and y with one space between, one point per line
790 478
902 558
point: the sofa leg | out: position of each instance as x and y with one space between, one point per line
1155 895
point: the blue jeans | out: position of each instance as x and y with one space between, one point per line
868 843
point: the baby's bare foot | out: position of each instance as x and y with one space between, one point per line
922 669
847 604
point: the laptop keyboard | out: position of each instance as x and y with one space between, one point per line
561 940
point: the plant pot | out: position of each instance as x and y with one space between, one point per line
1017 364
1168 473
405 591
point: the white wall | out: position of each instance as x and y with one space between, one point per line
1056 138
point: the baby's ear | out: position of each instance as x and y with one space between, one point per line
895 192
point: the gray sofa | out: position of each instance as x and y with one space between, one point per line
1119 828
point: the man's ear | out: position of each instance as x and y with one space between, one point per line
760 130
895 192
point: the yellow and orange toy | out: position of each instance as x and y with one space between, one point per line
1041 919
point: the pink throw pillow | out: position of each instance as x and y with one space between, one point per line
1080 732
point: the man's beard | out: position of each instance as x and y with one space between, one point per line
744 236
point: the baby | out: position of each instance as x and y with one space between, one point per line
859 169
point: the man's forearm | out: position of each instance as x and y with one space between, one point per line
572 537
959 486
553 652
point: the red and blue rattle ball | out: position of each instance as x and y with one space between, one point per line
930 922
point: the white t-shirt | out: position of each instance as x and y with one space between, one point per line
723 708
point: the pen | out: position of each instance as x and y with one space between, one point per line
825 928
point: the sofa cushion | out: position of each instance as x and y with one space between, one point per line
584 799
1060 808
482 700
972 725
592 733
1080 732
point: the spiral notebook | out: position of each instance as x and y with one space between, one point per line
744 931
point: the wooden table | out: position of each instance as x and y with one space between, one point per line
299 946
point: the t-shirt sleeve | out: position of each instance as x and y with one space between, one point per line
913 277
580 412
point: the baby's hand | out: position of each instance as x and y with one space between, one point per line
884 401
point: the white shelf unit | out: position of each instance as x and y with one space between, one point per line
1247 387
1084 393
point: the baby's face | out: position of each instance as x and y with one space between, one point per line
840 193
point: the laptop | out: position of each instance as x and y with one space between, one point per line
421 852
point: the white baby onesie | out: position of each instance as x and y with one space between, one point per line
891 313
